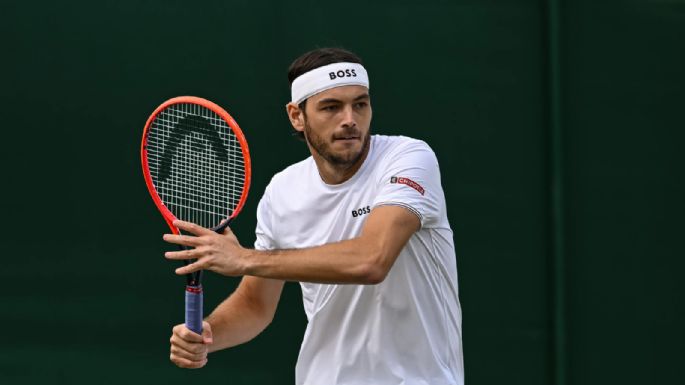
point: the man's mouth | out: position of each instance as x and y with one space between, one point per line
346 137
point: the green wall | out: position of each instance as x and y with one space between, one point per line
558 126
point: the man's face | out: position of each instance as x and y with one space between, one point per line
337 124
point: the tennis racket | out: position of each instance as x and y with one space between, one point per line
196 165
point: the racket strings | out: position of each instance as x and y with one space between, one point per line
196 164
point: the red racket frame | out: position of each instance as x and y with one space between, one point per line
168 215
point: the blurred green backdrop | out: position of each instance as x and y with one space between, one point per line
558 125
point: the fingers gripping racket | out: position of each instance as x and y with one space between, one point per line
196 165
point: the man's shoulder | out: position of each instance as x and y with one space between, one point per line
392 146
293 173
395 141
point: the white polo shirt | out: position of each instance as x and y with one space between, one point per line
404 330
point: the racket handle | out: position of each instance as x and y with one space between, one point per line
194 308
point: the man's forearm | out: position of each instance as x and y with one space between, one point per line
236 321
352 262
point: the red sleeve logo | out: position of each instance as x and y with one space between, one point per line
408 182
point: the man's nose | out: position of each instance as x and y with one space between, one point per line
348 117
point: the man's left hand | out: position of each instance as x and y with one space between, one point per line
220 253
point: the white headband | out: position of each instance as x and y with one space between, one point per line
327 77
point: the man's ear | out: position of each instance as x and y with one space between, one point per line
296 116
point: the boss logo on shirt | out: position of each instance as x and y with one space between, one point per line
361 211
408 182
349 73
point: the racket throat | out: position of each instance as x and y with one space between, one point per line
224 224
194 279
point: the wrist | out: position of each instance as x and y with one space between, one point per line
248 261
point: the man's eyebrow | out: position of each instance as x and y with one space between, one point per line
334 100
328 100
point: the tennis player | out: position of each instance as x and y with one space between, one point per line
362 225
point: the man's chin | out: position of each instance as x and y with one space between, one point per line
346 157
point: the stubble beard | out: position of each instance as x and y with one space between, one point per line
322 148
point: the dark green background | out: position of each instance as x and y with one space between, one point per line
558 126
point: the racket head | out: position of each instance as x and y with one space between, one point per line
196 162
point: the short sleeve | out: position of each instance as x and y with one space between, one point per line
410 177
264 231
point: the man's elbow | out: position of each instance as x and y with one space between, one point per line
374 276
374 271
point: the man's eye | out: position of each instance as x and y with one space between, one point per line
362 104
329 108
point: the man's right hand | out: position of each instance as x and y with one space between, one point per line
189 349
